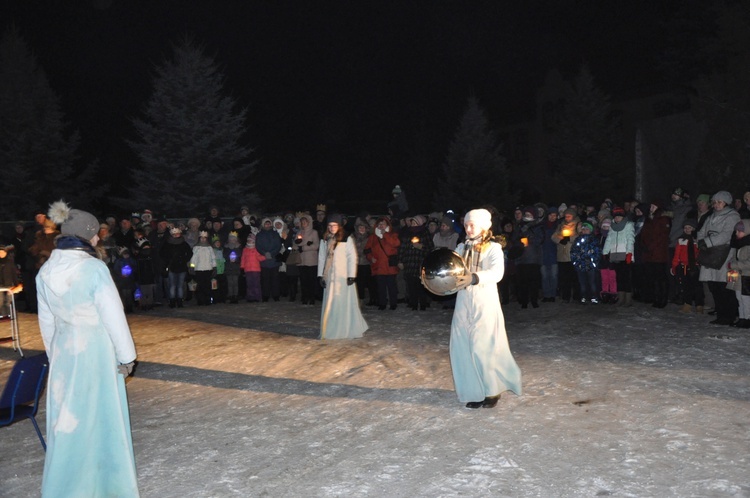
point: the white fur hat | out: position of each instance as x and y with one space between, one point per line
480 217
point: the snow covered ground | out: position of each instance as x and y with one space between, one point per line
242 400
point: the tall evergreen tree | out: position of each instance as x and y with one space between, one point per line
586 145
191 139
36 152
474 173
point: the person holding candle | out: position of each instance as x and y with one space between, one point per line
530 237
565 234
416 243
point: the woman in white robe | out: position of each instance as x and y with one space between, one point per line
483 366
340 317
91 351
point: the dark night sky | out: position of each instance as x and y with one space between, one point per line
342 86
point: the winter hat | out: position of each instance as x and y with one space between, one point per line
446 220
606 224
396 189
144 242
147 215
203 233
570 211
561 209
552 209
690 222
703 198
618 211
588 225
740 226
723 195
678 191
121 251
529 214
480 217
335 218
418 219
232 235
73 221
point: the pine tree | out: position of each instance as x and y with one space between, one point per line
190 146
586 145
475 172
36 153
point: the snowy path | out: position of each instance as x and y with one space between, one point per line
617 402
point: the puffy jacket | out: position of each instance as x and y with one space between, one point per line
377 251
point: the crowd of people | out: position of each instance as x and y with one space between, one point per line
613 253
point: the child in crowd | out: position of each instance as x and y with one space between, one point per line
585 255
251 259
146 273
124 273
686 270
232 268
203 266
220 289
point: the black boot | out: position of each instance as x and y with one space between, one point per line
171 303
179 303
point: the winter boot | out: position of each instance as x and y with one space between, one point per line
686 308
179 303
628 299
172 303
620 299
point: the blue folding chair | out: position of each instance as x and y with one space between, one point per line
20 398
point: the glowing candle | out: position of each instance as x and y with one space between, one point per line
524 241
566 232
415 240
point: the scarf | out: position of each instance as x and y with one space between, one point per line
472 249
71 242
331 243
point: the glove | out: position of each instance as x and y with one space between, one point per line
126 369
702 245
322 282
418 246
628 258
213 273
309 243
400 266
564 241
350 281
298 240
463 281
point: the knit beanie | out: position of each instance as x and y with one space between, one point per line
480 217
73 221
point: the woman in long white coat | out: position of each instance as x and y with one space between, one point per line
483 366
340 317
91 351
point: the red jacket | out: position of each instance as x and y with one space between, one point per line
654 239
681 254
251 259
377 251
